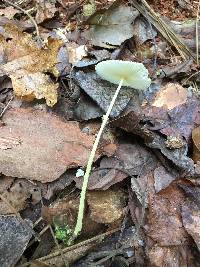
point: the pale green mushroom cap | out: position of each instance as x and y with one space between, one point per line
134 74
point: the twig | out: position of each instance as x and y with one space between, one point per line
155 48
72 248
197 33
192 75
163 28
3 111
27 13
39 235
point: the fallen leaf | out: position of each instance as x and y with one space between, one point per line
45 10
170 96
17 196
162 178
128 160
191 221
153 123
171 70
50 189
102 91
27 64
37 85
86 109
76 52
48 146
171 256
106 206
164 219
191 211
14 237
111 26
104 176
179 121
143 31
196 142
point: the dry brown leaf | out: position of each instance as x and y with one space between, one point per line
48 146
130 158
76 52
27 63
17 196
165 223
5 183
191 221
45 10
171 256
106 206
38 85
170 96
196 142
191 210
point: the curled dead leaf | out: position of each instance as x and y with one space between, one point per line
38 85
27 64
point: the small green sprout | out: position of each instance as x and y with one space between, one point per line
63 233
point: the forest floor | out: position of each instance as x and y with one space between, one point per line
142 205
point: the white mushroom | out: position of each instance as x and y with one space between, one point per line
133 74
119 72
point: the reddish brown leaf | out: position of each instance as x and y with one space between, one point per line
48 146
171 256
165 223
191 221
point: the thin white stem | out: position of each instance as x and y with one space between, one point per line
79 222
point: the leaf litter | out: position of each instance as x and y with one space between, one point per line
143 190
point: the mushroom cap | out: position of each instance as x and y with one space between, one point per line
134 74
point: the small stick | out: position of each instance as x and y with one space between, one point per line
25 12
3 111
79 222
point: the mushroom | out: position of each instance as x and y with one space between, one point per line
119 72
133 74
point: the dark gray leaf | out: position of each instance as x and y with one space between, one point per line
102 91
112 26
14 237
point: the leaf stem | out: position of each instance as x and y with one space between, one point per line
79 222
